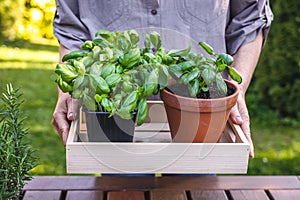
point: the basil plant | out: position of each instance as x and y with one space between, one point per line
112 73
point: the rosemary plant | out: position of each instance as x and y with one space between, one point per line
16 156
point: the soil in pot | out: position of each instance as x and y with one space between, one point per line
196 119
102 128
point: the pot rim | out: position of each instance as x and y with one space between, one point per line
84 109
189 103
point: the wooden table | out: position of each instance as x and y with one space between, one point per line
205 187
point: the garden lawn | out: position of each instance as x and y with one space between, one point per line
30 67
277 151
31 70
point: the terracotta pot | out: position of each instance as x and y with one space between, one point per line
198 120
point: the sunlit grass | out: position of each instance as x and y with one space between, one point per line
26 55
16 57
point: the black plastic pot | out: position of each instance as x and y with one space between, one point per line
102 128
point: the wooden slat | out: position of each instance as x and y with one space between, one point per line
157 127
167 194
228 135
45 195
156 112
174 183
249 194
152 137
126 195
208 194
240 137
84 195
285 194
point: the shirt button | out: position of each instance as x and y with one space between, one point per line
153 12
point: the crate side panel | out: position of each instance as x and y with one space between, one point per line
157 158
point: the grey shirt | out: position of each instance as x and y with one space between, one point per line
224 24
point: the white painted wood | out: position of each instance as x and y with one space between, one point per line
157 158
153 152
240 136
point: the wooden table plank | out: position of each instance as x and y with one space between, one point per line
172 183
285 194
208 194
45 195
249 195
125 195
84 195
167 194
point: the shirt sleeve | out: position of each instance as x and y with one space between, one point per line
67 26
247 19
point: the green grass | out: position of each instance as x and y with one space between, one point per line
31 70
30 67
277 151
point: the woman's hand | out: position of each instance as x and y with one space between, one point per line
65 111
240 116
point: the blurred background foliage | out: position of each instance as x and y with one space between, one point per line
277 79
29 53
26 19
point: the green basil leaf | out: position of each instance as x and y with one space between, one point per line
221 67
194 87
96 68
98 98
113 79
134 36
109 36
147 42
208 75
207 48
106 104
89 102
228 59
67 73
87 45
155 39
234 74
175 68
96 52
186 65
123 113
99 42
130 59
73 55
92 83
123 44
126 86
108 69
190 76
151 84
131 99
180 53
163 79
78 83
101 84
142 111
221 85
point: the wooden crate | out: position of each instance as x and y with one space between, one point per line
153 152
